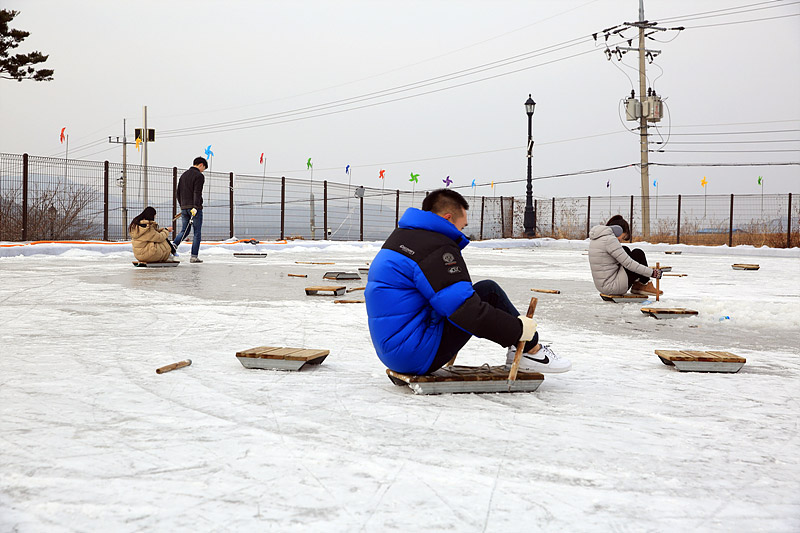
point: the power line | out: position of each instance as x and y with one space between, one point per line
736 10
741 21
719 151
771 164
732 142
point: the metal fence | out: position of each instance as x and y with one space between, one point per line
44 198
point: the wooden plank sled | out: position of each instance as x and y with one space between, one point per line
249 254
164 264
745 266
700 361
673 252
334 290
462 379
668 312
341 275
547 291
625 298
363 270
275 358
348 301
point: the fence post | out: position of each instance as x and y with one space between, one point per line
483 203
25 197
105 200
730 226
231 203
502 221
553 219
283 205
679 219
588 215
397 209
630 235
325 210
361 216
174 201
789 223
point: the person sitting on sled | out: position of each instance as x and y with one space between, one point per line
422 305
617 268
151 243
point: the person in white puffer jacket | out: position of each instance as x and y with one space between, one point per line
617 268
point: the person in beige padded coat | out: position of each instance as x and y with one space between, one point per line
151 244
617 268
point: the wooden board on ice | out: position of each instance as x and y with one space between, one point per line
701 361
462 379
276 358
624 298
164 264
668 312
335 290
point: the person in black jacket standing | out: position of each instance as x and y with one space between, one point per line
190 197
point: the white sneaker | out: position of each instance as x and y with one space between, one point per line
544 361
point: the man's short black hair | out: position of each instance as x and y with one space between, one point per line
617 220
198 160
443 201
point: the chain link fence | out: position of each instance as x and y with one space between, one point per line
44 198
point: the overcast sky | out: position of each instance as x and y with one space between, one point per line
198 63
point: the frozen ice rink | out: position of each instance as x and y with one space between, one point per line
92 439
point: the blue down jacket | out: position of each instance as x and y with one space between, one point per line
417 281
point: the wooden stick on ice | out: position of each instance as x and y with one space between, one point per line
658 265
173 366
512 375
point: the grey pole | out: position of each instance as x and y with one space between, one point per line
144 154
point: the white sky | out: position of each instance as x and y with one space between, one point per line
200 62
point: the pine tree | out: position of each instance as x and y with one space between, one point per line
18 66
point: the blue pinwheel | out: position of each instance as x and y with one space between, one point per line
447 181
208 152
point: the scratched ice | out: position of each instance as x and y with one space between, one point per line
92 439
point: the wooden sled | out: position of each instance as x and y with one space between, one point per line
339 276
625 298
673 252
249 254
334 290
699 361
744 266
476 379
668 312
363 270
164 264
349 301
274 358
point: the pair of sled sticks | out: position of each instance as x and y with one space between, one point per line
512 374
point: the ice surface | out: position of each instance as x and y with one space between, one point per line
92 439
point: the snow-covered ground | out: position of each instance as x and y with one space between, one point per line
92 439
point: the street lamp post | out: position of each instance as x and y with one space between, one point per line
529 220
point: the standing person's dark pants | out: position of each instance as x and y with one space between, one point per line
454 338
197 225
638 256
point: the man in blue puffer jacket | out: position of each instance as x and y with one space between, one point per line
422 305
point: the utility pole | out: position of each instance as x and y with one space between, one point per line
124 142
649 106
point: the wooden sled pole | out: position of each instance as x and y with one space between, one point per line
512 375
658 265
174 366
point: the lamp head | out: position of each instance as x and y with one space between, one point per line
530 105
